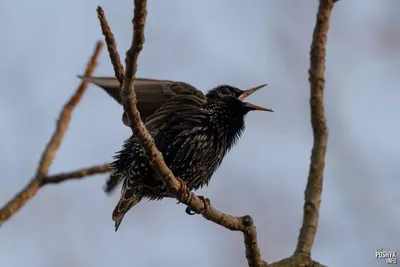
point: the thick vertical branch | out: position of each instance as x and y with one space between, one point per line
128 94
317 82
50 151
129 98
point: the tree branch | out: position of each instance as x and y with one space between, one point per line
78 174
317 82
50 151
244 224
111 45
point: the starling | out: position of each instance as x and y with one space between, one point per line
193 132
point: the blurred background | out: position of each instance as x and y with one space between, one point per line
45 44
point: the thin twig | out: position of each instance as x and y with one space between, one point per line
244 224
317 82
111 45
78 174
50 151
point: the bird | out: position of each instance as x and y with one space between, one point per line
193 132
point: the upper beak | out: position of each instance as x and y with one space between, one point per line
249 92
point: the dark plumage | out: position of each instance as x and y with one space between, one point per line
194 132
151 94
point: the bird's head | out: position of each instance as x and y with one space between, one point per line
235 97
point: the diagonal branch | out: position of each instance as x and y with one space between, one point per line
56 179
50 151
317 82
244 224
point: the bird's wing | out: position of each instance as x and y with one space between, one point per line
109 84
147 90
174 106
151 93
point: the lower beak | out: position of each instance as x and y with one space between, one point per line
255 107
249 92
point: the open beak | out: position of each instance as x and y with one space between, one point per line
249 92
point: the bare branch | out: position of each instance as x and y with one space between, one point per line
50 151
317 82
78 174
111 45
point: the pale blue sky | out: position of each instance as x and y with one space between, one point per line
45 44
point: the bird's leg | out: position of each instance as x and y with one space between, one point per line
183 191
206 203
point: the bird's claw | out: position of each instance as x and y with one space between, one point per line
189 211
206 203
183 191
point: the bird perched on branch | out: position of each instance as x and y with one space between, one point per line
193 131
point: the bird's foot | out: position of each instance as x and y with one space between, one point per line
189 211
183 191
206 204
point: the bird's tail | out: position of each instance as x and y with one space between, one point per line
129 198
112 182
